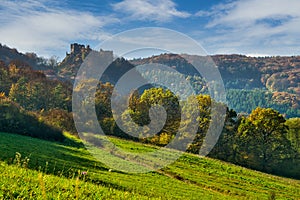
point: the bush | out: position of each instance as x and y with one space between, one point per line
60 119
14 119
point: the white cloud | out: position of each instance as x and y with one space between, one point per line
31 26
152 39
248 12
152 10
255 26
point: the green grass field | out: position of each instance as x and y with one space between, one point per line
54 171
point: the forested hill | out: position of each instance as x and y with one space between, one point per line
276 74
281 74
70 65
250 81
11 55
31 104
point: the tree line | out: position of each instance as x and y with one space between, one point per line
31 104
263 140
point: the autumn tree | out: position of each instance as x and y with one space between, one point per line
40 94
5 81
94 96
14 119
103 96
263 139
18 92
203 111
139 107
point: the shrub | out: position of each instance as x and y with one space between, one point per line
14 119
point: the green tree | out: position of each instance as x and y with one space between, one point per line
226 148
263 139
14 119
5 81
204 103
60 97
40 94
294 132
102 100
138 111
18 92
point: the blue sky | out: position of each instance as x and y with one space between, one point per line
251 27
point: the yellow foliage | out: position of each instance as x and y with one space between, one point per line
164 138
13 69
2 95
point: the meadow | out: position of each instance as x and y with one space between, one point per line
38 169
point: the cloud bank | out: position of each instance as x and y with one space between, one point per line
254 27
150 10
32 26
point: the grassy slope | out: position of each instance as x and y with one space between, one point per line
53 171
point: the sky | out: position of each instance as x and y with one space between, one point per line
249 27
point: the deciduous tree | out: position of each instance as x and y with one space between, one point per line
263 139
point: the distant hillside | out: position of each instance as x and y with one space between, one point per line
276 74
250 81
8 55
280 74
264 81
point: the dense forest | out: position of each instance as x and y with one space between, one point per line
259 130
269 82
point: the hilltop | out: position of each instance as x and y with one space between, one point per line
280 74
11 55
70 65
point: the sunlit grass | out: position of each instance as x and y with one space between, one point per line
55 171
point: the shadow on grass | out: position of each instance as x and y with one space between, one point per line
49 157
